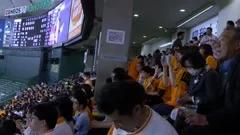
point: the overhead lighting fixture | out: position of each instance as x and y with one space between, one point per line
144 36
182 10
195 16
134 42
164 45
136 15
160 27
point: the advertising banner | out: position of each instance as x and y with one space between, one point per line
15 11
76 19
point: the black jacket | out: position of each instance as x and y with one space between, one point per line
205 88
177 43
227 118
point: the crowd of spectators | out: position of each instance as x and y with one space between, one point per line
186 90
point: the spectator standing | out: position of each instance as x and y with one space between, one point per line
230 25
82 120
210 39
178 42
65 121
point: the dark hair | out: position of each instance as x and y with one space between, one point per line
148 70
65 107
180 33
195 38
81 97
9 127
209 28
231 23
141 64
140 57
157 51
207 50
195 59
120 74
187 49
88 90
108 80
120 96
46 112
87 74
150 55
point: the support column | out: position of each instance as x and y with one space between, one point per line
115 39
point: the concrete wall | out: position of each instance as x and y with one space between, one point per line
229 11
22 67
21 63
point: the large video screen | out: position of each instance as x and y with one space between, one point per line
58 23
76 19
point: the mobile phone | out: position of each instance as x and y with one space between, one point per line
166 58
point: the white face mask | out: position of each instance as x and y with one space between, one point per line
194 71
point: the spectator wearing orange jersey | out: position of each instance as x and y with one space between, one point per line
132 72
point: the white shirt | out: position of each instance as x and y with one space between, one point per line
155 125
63 129
211 40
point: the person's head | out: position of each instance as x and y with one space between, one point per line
118 74
80 100
44 117
123 102
206 50
195 39
147 71
193 62
140 65
86 75
88 90
180 35
150 56
209 31
9 127
109 80
238 23
140 58
183 50
230 25
229 44
157 52
64 107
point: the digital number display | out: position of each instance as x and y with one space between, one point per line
30 31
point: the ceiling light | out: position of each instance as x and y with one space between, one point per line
144 36
134 42
195 16
182 10
164 45
136 15
160 27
